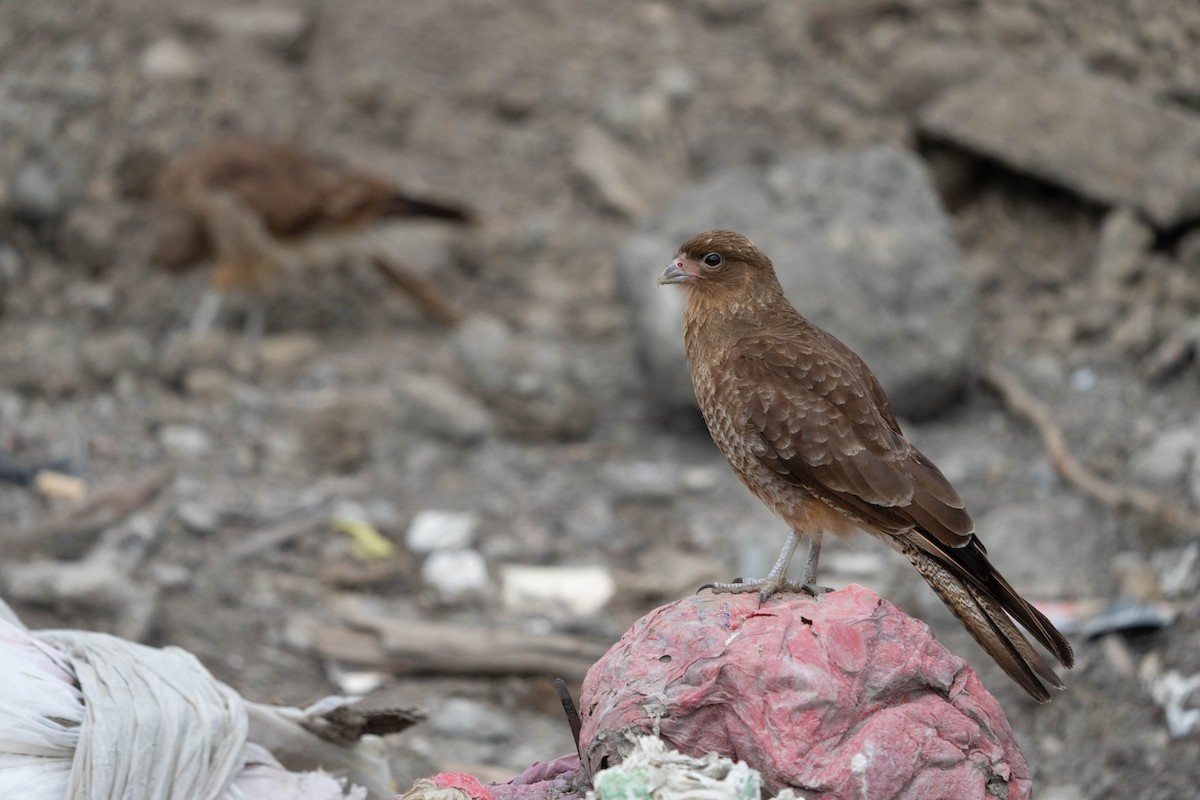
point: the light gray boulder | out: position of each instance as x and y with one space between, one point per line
863 248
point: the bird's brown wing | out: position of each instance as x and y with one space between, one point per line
822 426
279 183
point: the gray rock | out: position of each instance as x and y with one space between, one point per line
90 235
437 406
283 29
592 521
44 358
1188 249
604 167
170 60
643 480
181 440
44 188
530 382
862 248
1095 137
11 266
1167 458
107 355
919 73
1121 251
456 574
198 517
460 717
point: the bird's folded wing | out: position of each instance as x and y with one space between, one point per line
823 424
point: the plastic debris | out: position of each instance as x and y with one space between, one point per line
652 771
456 574
433 530
1177 694
366 542
573 591
88 715
1132 617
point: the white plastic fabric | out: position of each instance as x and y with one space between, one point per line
88 716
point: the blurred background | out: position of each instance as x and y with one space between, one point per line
975 195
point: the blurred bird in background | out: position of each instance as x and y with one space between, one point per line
263 209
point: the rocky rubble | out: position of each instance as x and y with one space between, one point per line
881 154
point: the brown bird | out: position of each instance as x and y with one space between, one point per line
260 207
808 429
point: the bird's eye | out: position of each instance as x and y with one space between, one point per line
713 259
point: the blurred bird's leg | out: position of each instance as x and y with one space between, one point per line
256 321
425 292
776 580
206 312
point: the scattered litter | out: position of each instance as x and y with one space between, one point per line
557 591
354 682
55 479
366 542
652 771
88 715
448 786
440 530
50 483
455 574
1179 570
1177 694
184 441
1131 617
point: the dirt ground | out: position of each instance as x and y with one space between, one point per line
489 102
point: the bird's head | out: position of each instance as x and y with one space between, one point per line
720 265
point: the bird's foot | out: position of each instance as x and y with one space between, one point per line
766 587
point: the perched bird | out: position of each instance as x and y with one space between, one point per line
258 208
808 429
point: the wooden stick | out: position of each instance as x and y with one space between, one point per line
569 708
412 646
71 532
425 292
1020 400
280 534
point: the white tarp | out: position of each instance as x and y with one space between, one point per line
89 716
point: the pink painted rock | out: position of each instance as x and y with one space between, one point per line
838 697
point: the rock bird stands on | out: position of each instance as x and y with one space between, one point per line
259 207
808 429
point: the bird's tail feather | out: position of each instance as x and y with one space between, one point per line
980 601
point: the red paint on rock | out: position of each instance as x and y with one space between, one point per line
460 780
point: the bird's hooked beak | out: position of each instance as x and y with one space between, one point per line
675 273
